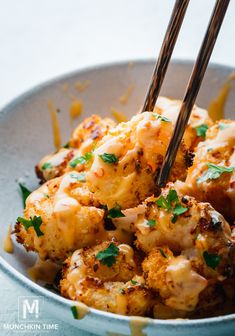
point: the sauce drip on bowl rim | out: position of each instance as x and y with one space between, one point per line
217 105
137 324
7 242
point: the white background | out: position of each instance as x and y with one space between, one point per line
40 39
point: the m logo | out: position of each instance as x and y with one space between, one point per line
29 308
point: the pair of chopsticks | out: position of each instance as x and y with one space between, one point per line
194 81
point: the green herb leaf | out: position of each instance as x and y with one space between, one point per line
162 202
222 126
162 253
108 255
47 165
213 172
134 282
115 212
67 145
35 222
171 203
212 260
179 209
109 158
201 130
151 222
24 192
81 177
74 312
162 118
81 159
172 196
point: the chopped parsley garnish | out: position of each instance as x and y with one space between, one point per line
47 165
108 255
162 118
24 192
212 260
162 253
177 211
67 145
134 282
151 222
222 126
213 172
109 158
81 159
49 286
171 203
46 195
35 222
74 312
201 130
81 177
115 212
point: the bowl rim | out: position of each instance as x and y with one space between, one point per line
33 287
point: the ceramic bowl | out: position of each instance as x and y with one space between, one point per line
25 134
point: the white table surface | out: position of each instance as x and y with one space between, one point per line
41 39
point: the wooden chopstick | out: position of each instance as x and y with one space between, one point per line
167 48
192 89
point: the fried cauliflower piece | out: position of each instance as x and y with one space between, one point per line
83 140
112 286
174 279
70 218
125 162
190 249
170 108
184 292
205 181
181 223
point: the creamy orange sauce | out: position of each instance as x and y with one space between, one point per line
75 109
65 87
217 105
82 86
118 115
44 271
185 284
137 324
82 310
128 252
7 242
125 97
65 208
121 304
55 124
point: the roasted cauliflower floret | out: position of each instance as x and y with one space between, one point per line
212 176
89 132
181 223
69 216
174 279
83 140
126 160
62 216
106 277
198 123
190 249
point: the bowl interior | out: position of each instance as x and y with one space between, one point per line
25 126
